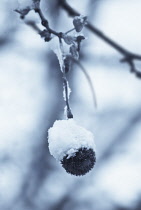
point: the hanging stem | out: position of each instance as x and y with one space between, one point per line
65 85
89 81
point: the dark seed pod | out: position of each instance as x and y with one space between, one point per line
80 163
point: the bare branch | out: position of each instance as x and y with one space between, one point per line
45 23
128 57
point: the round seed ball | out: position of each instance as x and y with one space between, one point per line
80 163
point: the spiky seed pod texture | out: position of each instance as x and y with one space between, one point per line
73 146
80 163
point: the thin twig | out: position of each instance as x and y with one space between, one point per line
45 23
70 30
33 25
128 57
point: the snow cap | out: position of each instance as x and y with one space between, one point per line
66 138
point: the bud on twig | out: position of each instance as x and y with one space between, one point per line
79 22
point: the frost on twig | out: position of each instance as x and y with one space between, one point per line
55 47
61 52
69 92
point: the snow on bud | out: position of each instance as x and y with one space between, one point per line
79 22
68 39
73 146
55 47
25 4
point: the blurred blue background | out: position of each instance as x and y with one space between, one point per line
31 99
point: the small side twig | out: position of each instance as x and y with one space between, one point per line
130 59
89 81
33 25
70 30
